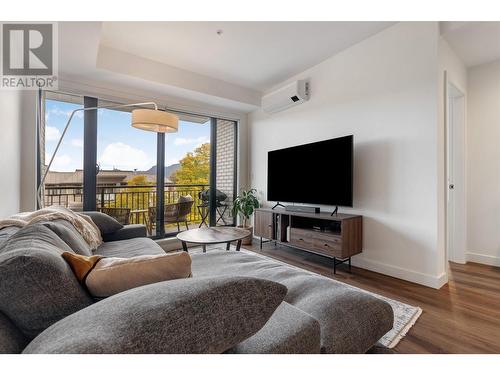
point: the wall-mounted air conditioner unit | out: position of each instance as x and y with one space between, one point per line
295 93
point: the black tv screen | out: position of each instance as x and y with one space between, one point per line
318 173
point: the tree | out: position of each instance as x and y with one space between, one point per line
195 167
138 180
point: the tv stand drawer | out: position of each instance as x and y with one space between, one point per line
328 246
331 239
301 237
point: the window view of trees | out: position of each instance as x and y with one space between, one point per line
127 170
133 158
194 167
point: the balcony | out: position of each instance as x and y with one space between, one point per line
139 202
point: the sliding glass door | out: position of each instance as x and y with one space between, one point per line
126 174
187 174
128 167
64 182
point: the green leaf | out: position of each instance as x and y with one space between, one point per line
245 204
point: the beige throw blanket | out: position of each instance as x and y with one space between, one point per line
82 223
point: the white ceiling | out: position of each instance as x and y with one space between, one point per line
254 55
79 47
187 63
474 42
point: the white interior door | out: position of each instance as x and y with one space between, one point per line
456 222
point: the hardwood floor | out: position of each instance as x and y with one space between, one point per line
461 317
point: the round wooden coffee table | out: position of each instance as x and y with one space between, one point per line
213 235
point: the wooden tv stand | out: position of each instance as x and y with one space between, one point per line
338 237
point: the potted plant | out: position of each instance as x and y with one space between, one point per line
244 205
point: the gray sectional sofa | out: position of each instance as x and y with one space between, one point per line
43 309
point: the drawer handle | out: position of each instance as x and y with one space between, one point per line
326 244
301 239
269 225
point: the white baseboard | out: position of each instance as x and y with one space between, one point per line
436 282
431 281
490 260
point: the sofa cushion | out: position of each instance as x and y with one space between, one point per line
129 248
127 232
205 315
105 223
288 331
6 233
104 277
351 320
37 287
67 232
12 341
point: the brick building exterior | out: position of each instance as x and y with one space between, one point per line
225 162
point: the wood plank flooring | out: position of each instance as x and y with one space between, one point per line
461 317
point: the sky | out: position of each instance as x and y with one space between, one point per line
118 144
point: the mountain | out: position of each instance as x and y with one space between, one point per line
168 170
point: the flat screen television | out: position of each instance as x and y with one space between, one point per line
314 173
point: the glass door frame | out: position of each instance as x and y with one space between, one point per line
212 204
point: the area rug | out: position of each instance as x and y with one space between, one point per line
405 315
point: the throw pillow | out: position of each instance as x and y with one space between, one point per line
105 223
104 277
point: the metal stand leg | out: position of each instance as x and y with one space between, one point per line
184 246
204 248
261 243
228 245
204 214
221 210
336 262
238 245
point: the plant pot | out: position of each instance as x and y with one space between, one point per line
248 239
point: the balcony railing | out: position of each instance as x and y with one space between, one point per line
137 198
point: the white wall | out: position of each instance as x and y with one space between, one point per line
28 153
18 151
384 91
10 148
483 168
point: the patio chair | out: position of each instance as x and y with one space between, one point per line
175 213
122 215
